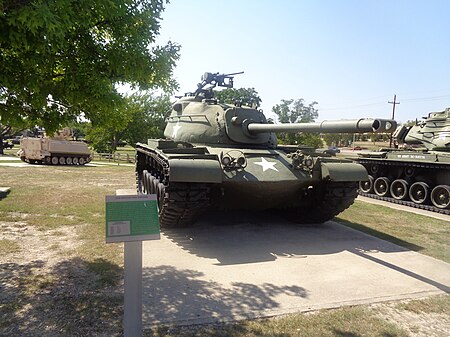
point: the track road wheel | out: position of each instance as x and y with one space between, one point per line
366 186
381 186
81 161
145 179
62 161
151 188
161 194
75 160
399 189
440 196
418 192
69 161
55 160
154 188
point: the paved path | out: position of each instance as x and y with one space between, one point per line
227 268
405 208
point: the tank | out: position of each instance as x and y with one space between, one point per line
226 156
54 151
417 172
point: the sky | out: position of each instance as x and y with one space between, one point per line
351 56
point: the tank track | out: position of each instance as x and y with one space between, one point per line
431 208
334 199
178 203
69 160
406 203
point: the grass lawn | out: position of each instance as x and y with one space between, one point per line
420 233
58 278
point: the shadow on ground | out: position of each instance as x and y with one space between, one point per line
186 292
250 237
68 300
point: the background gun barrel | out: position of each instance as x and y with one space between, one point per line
336 126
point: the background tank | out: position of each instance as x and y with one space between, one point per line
226 157
56 150
411 175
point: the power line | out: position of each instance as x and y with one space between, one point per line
406 100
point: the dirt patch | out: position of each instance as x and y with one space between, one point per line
46 290
416 324
48 246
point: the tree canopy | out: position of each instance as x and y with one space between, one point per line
62 58
247 96
140 118
295 111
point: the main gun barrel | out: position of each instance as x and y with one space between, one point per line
336 126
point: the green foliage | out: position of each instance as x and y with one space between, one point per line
338 139
142 116
62 58
148 117
247 96
78 129
295 111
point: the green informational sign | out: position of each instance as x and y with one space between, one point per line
131 218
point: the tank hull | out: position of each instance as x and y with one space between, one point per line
419 179
190 179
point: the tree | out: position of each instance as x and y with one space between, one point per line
63 58
148 117
247 96
295 111
338 139
8 131
142 116
5 131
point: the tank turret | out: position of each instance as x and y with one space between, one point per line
417 173
432 133
225 156
199 118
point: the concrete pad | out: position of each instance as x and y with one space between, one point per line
6 157
226 269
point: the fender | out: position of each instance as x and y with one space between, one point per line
195 170
343 172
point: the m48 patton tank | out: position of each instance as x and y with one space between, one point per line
411 175
54 151
226 156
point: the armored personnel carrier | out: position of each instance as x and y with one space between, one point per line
54 151
226 156
417 173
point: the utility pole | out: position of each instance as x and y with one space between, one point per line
394 103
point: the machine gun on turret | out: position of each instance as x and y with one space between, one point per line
216 79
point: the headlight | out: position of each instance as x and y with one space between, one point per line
241 161
226 160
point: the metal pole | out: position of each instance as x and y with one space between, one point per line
132 302
394 103
132 316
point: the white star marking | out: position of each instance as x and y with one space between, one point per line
176 128
266 165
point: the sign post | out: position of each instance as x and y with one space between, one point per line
132 219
